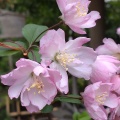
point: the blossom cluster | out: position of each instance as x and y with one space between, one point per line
37 84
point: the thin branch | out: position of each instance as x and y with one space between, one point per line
11 47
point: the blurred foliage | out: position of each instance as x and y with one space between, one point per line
81 116
3 115
112 19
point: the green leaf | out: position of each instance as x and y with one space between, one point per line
7 52
47 109
34 55
70 100
32 31
81 116
74 96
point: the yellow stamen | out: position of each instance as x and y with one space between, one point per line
38 84
81 11
101 98
64 58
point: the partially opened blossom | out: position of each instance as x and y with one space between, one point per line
34 84
75 14
115 112
70 56
109 48
118 31
116 81
96 96
104 68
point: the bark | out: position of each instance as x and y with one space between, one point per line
97 33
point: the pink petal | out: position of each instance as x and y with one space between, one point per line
15 90
81 71
85 54
24 97
109 47
54 75
77 29
31 108
51 43
49 88
48 51
37 99
78 42
91 22
57 37
24 93
111 101
26 62
40 70
62 85
61 4
8 79
62 35
116 81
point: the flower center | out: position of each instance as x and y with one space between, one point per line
101 98
81 11
64 58
38 84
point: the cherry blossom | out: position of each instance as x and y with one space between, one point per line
104 68
109 48
70 56
75 14
34 84
98 95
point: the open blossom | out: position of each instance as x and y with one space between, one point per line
34 83
96 96
104 68
75 14
118 31
70 56
109 48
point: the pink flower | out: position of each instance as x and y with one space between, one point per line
75 14
70 56
118 31
96 96
34 83
109 48
104 68
115 112
115 79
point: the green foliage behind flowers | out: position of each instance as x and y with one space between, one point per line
81 116
112 18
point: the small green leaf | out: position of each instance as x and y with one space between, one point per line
7 52
81 116
66 99
34 55
47 109
32 31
